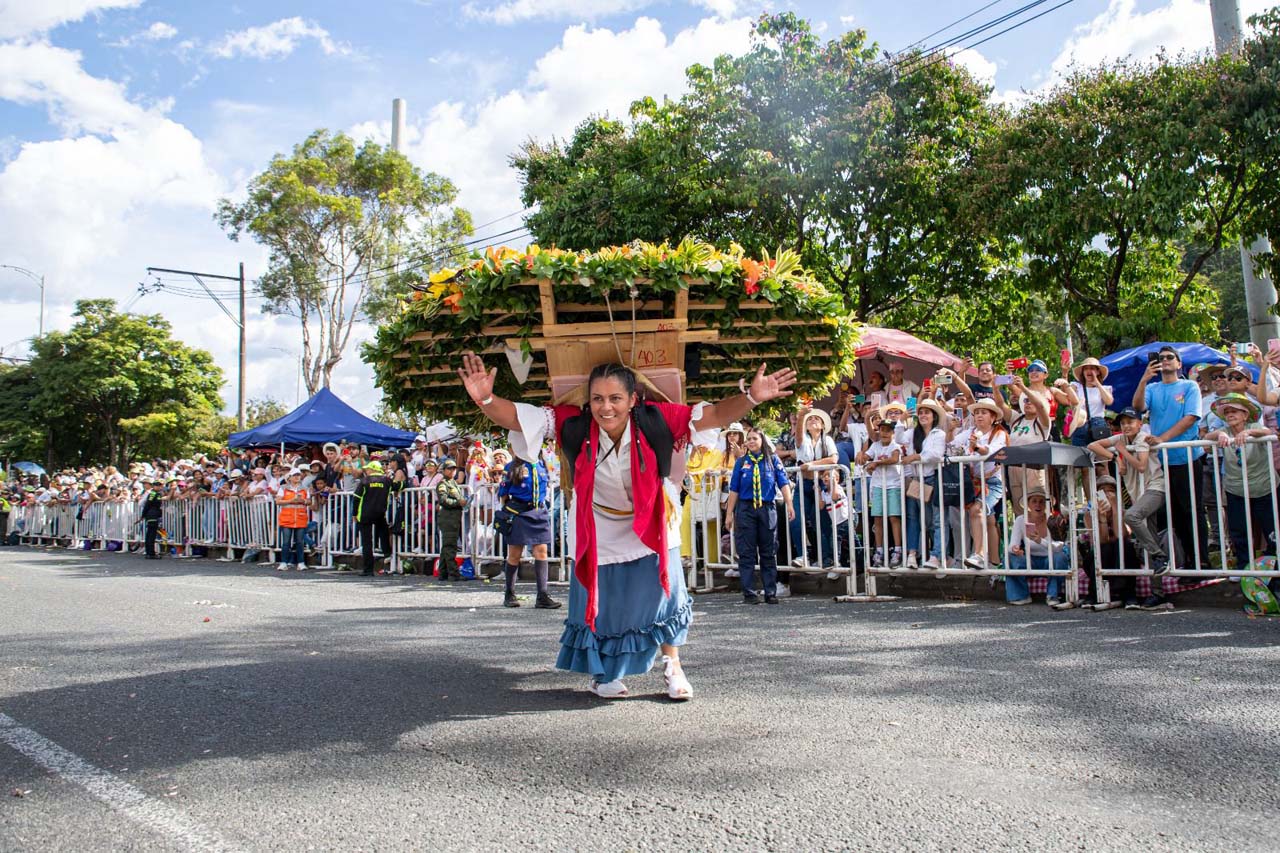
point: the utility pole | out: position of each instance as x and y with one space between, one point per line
1259 291
199 277
240 411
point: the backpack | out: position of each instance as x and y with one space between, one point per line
646 417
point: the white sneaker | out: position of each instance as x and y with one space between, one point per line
283 567
932 564
784 591
895 558
731 573
798 562
609 690
976 561
678 687
913 562
1020 601
877 558
833 576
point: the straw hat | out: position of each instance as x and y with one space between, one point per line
1235 401
1035 492
1090 362
896 406
989 405
817 413
940 414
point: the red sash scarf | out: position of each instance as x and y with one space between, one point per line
649 521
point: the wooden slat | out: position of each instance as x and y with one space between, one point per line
578 330
691 336
548 300
488 331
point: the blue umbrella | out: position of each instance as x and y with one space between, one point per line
1128 365
29 468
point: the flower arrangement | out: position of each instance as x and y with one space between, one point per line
766 309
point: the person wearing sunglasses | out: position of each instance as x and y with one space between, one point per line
1173 405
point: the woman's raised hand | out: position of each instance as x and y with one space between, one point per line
772 386
477 380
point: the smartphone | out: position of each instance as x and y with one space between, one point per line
945 379
1242 349
1153 357
1016 363
911 405
1273 345
1065 358
859 398
1004 379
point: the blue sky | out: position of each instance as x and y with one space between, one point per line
123 121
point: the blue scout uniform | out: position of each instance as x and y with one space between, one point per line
756 480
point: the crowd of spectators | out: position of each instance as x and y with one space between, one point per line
891 434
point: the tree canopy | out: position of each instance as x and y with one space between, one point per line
115 386
341 222
929 208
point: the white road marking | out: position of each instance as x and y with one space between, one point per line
118 794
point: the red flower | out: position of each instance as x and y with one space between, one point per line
753 270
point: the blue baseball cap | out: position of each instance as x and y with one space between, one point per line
1039 365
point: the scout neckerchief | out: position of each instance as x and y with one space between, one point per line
756 459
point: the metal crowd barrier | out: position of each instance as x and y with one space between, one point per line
836 511
1188 566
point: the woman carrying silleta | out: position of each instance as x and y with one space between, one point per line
627 599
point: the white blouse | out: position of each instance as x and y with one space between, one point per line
616 541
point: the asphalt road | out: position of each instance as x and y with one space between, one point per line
334 712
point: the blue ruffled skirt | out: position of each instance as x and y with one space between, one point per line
634 618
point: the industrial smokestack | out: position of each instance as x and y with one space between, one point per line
397 124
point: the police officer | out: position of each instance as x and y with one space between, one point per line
152 509
371 497
450 502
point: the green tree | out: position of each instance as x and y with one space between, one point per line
113 385
1102 179
852 160
337 221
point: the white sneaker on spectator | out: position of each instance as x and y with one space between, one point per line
1018 602
913 561
784 591
933 564
283 567
895 557
731 573
976 561
798 562
832 575
877 558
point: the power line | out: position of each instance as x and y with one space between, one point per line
957 21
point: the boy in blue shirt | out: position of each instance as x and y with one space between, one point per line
752 515
1174 406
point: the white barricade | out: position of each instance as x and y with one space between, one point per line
954 489
1204 486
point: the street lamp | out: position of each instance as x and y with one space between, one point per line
297 391
38 279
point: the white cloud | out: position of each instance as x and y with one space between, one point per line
515 11
277 39
19 18
982 69
591 71
159 31
1121 31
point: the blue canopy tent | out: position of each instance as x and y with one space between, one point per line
322 418
1127 366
